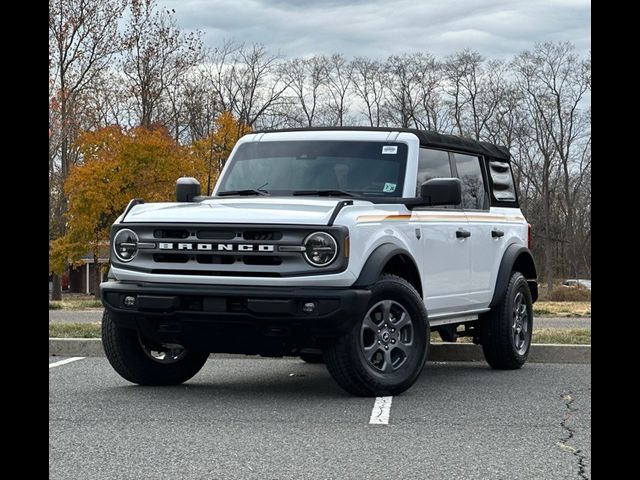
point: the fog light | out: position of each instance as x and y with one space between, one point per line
309 307
129 301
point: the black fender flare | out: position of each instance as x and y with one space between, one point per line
520 256
372 268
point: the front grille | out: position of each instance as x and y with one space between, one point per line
256 260
216 234
171 233
227 250
170 258
258 235
216 259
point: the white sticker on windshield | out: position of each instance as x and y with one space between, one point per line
390 150
389 187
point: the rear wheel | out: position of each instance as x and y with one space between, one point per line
386 350
505 331
141 361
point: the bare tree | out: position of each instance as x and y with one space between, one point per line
555 81
406 75
338 84
201 105
476 89
306 80
434 112
538 165
368 82
247 80
106 101
157 56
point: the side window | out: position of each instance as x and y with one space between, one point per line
432 164
473 189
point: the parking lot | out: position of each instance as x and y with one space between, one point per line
282 418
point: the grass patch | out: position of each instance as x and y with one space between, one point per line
74 330
73 304
572 336
562 309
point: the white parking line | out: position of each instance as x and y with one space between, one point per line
381 410
65 361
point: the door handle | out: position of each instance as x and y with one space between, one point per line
463 233
497 233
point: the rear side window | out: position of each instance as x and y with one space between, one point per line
474 195
502 186
432 164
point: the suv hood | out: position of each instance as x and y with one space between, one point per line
256 210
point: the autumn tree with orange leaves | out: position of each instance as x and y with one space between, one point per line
216 148
117 165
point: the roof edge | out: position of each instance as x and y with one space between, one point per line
427 139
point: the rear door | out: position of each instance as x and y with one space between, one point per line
487 228
446 256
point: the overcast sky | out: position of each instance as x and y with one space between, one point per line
378 28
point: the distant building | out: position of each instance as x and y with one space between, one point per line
82 278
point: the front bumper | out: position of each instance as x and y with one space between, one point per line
264 320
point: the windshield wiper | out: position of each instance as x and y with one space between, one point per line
325 193
249 191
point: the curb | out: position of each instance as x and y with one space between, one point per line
440 352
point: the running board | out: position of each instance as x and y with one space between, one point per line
460 317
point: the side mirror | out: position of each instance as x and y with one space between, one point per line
186 189
441 191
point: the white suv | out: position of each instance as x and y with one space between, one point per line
347 245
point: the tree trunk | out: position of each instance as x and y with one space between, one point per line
548 262
56 288
548 242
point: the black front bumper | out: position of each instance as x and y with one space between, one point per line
236 319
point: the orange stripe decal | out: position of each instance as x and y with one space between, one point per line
416 217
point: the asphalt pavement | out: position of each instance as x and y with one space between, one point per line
95 315
285 419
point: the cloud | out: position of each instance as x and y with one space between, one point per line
495 28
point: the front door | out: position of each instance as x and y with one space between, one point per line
446 251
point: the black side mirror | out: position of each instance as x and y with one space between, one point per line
441 191
186 189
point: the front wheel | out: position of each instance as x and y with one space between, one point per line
386 350
141 361
505 331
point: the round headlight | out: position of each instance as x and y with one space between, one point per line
321 249
125 245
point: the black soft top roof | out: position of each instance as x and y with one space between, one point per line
427 139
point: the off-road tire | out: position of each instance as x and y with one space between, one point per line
125 354
345 358
497 327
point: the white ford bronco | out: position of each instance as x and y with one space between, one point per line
342 245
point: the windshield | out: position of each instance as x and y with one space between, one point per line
299 167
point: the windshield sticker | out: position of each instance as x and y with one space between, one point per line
389 187
390 150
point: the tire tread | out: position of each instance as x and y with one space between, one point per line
127 358
496 330
352 376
